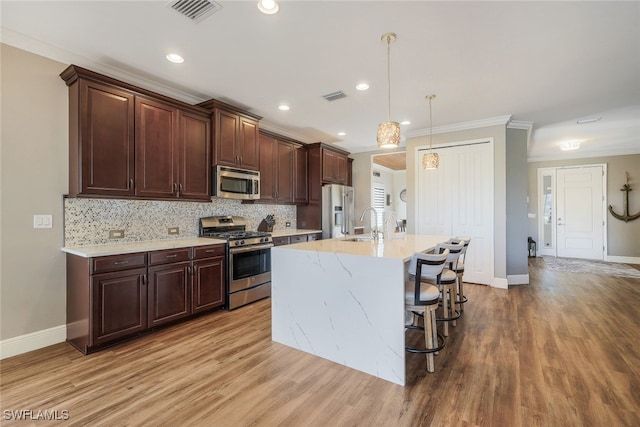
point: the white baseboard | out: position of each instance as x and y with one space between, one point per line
33 341
622 259
518 279
499 282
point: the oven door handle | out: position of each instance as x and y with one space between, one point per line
250 248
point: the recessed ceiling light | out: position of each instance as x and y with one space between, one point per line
268 7
572 144
406 122
175 58
342 133
283 107
362 86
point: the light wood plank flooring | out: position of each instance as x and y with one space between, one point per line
562 351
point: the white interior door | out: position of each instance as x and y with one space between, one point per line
580 218
457 200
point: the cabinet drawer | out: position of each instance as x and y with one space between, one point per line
279 241
106 264
170 255
312 237
200 252
298 239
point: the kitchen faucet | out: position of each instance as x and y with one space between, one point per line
374 232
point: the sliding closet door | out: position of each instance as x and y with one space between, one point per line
457 200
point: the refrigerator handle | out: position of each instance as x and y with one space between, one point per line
346 213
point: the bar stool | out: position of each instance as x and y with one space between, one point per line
459 269
421 299
448 284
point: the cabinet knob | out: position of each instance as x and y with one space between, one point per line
130 184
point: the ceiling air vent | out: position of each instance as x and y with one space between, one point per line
335 96
195 10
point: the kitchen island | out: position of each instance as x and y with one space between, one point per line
343 300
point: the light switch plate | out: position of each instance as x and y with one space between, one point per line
43 221
173 230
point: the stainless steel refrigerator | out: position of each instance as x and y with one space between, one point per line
338 217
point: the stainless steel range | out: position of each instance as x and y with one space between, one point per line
248 258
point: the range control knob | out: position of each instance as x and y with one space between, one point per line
242 242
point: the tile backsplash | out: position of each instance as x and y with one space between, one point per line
88 221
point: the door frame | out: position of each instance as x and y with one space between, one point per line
554 217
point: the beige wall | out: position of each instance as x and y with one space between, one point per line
34 177
622 237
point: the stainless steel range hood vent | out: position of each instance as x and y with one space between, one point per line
195 10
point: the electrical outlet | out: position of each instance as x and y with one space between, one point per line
116 234
287 224
173 230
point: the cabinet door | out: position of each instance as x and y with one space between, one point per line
340 169
208 283
106 120
248 143
328 166
226 137
268 170
168 293
284 172
118 305
301 187
156 149
194 156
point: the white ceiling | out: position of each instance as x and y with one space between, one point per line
550 63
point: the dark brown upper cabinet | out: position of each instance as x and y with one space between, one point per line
101 137
125 141
235 140
283 170
326 165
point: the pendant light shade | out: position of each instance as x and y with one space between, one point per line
430 160
388 132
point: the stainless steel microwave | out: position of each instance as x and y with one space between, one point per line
234 183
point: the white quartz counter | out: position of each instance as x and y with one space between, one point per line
344 300
294 232
398 248
133 247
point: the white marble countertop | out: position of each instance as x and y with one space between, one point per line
293 232
133 247
397 248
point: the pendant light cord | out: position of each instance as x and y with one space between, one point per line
389 78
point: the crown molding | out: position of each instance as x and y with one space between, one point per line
585 155
53 52
473 124
520 124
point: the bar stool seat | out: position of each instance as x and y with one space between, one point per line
421 300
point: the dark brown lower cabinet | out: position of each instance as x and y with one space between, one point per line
110 298
119 305
168 293
208 284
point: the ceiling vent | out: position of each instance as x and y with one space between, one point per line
335 96
195 10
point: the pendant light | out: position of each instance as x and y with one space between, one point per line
430 160
388 132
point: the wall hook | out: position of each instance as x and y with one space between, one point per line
625 217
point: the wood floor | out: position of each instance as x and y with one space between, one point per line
562 351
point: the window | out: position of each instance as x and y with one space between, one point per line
378 196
